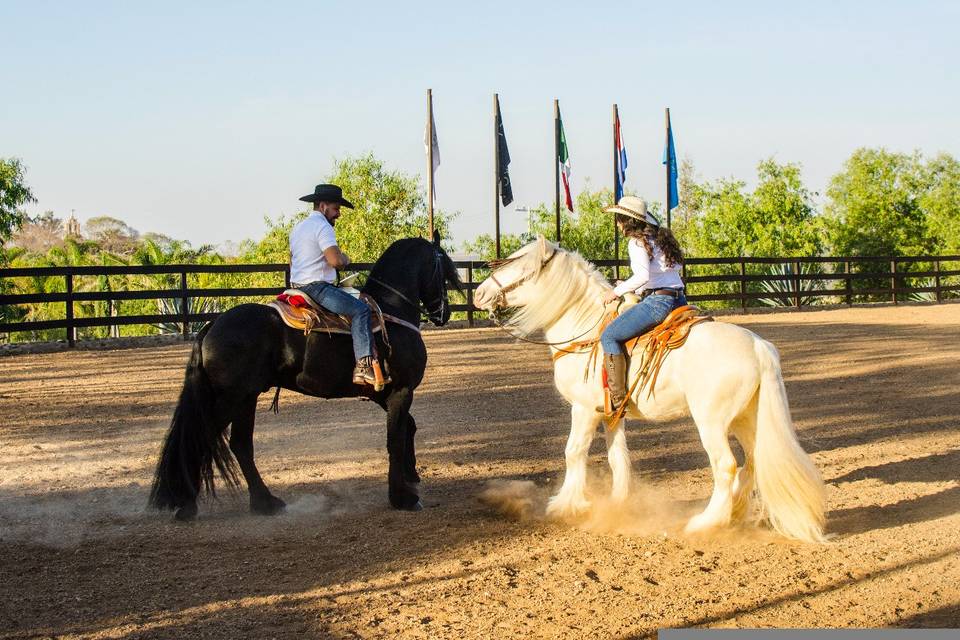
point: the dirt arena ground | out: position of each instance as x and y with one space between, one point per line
875 394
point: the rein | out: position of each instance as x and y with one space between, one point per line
422 308
503 327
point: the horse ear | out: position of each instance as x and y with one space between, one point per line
436 237
546 249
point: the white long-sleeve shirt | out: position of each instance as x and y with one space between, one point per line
647 273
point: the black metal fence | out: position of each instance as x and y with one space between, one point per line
714 282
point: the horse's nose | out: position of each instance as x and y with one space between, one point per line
482 297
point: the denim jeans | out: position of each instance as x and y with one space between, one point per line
332 298
650 312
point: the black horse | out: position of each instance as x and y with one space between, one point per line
248 350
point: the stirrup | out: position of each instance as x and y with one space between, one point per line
370 373
608 410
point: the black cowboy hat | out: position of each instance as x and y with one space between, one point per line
328 193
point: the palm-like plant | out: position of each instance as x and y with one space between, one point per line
783 289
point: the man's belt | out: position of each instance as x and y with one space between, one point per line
676 293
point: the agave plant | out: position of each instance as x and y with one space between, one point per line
174 306
922 296
783 289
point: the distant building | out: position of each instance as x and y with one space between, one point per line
72 227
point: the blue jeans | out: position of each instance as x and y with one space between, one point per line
332 298
650 312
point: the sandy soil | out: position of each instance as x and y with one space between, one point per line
875 395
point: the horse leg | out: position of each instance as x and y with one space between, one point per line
744 430
402 494
410 460
572 499
719 511
241 444
619 459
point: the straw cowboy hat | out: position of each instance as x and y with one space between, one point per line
634 207
328 193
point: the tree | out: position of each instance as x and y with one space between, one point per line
389 205
588 230
112 234
777 219
874 205
14 193
39 234
941 202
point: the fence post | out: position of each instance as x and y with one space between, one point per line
936 279
286 277
71 330
470 294
848 285
184 305
893 281
743 284
796 283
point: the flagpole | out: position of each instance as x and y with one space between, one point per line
496 171
556 162
616 181
430 158
666 147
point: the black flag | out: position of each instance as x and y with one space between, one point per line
503 175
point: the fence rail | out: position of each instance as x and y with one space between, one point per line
892 271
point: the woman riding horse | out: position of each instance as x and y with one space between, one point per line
655 259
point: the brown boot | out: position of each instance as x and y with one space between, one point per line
616 367
363 372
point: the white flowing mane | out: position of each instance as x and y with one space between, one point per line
568 287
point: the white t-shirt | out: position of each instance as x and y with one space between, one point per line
647 273
308 240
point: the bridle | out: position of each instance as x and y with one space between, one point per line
435 310
500 301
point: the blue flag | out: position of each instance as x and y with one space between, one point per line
670 155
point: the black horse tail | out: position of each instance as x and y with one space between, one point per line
195 444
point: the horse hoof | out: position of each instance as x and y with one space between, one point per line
186 513
407 503
269 506
416 506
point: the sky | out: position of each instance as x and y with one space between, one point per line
196 120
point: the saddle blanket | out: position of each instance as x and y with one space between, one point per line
299 311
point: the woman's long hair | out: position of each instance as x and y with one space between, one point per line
648 234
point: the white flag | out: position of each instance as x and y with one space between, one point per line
431 142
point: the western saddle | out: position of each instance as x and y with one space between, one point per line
654 346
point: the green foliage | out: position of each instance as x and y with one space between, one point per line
874 206
941 202
389 205
588 231
723 219
14 193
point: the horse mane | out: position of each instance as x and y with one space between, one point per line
568 285
403 247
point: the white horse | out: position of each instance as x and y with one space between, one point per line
725 376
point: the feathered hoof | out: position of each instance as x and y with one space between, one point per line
269 505
562 508
701 525
186 513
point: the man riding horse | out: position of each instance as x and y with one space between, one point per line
314 259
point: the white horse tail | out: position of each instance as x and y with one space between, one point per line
790 487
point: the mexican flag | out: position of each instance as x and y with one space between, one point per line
564 160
